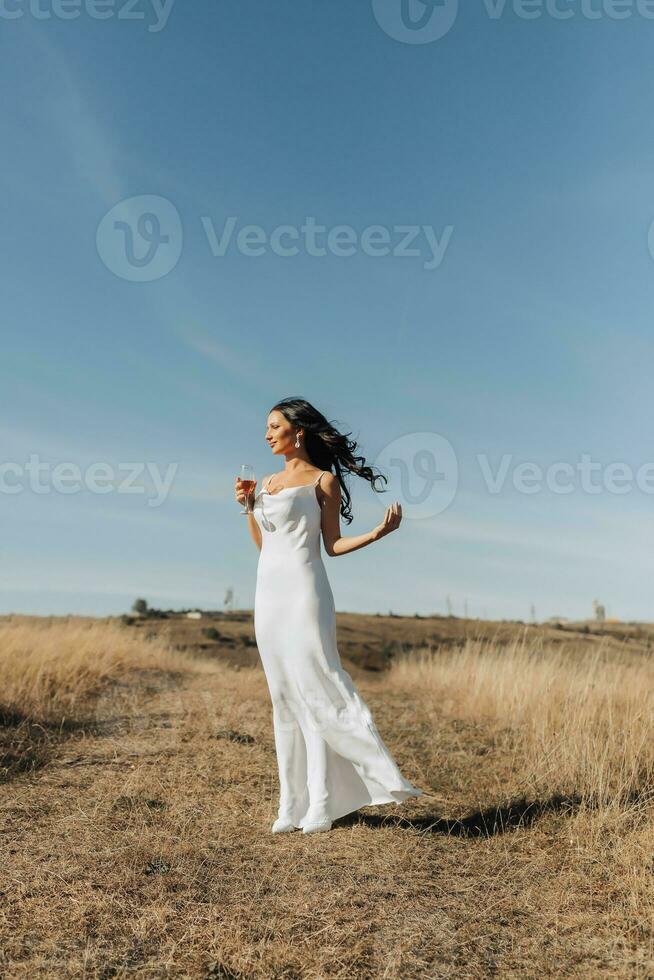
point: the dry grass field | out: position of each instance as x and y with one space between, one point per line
139 785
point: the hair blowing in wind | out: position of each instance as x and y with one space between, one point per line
328 448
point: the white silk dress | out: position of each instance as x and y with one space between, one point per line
331 759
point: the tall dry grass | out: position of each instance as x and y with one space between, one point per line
578 723
51 668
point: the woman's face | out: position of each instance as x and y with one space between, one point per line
280 434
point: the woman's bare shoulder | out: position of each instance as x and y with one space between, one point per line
329 482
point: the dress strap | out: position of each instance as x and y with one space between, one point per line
317 480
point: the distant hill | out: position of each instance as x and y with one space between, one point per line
370 641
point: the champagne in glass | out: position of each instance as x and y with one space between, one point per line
247 483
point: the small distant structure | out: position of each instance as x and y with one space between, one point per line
194 614
558 619
229 601
600 611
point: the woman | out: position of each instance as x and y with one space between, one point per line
330 756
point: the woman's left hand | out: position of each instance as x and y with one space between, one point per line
391 522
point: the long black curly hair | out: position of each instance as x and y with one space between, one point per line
328 448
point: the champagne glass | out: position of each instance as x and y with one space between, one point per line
247 482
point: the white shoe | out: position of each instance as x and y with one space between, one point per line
318 826
283 825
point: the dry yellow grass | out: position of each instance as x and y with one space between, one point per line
143 847
581 725
58 678
50 669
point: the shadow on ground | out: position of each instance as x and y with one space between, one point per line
27 744
482 823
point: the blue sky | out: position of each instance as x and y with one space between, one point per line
529 139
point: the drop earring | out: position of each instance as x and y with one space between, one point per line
297 441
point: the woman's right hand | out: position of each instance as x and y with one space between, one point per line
239 492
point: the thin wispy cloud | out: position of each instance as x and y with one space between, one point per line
237 366
67 111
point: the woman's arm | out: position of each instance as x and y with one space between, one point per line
253 527
335 544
